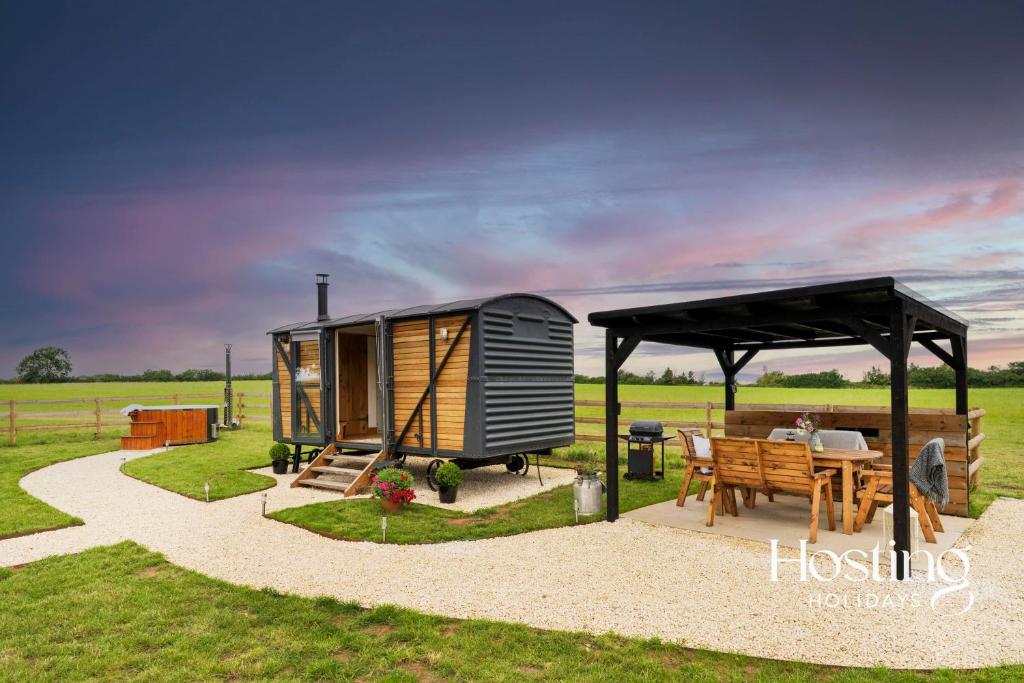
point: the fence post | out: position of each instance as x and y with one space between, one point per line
14 428
241 411
708 415
176 399
99 423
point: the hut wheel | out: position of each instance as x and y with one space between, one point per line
431 469
518 464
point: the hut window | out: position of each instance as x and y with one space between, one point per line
531 326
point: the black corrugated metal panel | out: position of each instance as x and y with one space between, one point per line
528 364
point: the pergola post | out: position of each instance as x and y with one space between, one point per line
728 361
731 368
900 337
611 426
615 354
959 345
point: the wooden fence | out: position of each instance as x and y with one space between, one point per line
95 417
709 424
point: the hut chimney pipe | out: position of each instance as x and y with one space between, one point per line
321 297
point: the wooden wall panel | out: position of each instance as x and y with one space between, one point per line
284 381
411 363
451 384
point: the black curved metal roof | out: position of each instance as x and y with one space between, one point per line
415 312
799 317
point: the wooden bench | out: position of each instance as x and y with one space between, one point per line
771 467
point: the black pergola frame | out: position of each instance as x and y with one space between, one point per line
880 312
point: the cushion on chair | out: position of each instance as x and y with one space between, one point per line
703 448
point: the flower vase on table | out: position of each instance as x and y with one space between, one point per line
816 445
811 425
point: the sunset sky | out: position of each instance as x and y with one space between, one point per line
172 174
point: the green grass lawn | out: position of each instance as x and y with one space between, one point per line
121 612
223 464
23 514
359 520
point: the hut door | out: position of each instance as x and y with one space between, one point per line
307 389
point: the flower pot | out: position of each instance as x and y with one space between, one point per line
447 493
587 494
280 467
392 507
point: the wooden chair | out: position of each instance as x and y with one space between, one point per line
878 488
771 467
735 465
788 467
694 465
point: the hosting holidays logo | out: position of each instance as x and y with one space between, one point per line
947 576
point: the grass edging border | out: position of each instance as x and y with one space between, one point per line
76 521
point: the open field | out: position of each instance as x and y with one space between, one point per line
113 396
121 612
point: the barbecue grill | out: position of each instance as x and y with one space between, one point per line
643 436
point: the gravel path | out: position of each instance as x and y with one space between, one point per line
638 580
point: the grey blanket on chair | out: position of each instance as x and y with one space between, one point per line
928 473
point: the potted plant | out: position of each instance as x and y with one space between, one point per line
588 489
448 478
279 454
393 487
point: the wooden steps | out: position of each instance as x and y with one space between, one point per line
145 435
345 472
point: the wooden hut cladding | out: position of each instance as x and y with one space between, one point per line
471 379
411 343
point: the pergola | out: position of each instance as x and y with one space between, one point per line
881 312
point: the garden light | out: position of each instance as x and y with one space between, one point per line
206 487
383 529
264 497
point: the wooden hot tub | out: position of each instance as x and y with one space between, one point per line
173 425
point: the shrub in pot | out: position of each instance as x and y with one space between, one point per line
588 488
448 478
279 454
393 487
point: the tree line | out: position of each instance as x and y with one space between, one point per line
668 377
921 377
53 364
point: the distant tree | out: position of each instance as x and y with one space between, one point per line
47 364
876 377
771 378
199 375
829 379
667 377
156 376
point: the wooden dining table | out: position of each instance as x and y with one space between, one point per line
846 460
